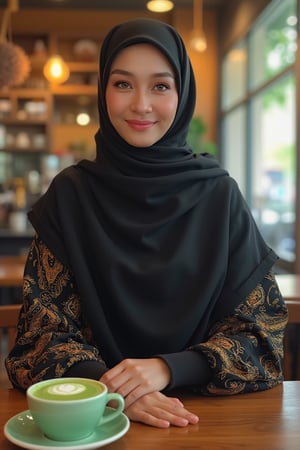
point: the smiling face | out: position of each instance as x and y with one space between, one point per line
141 95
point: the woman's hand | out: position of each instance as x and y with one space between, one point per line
160 411
134 378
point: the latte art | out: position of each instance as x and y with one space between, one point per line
66 389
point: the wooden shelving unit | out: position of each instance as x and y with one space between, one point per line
38 119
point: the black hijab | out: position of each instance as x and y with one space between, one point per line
160 241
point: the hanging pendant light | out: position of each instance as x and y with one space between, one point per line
160 6
14 63
198 38
56 70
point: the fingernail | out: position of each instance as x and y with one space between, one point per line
185 422
194 418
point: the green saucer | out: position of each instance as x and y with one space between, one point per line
21 430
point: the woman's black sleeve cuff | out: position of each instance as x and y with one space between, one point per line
188 368
87 369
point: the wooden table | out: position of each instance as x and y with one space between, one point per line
11 271
268 420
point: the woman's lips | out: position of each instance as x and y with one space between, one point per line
140 125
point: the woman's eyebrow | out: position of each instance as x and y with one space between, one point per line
154 75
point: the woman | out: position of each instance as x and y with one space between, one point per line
147 270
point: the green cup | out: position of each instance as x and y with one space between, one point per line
70 409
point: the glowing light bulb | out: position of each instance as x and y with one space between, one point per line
83 119
160 6
56 70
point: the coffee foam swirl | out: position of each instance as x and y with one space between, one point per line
66 389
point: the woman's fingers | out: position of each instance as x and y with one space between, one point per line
133 378
157 410
140 382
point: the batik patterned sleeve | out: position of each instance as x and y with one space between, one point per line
245 351
52 334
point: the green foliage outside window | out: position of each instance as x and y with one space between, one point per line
196 137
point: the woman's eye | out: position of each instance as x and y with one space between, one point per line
161 87
122 84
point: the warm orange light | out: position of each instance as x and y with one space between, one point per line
198 41
198 38
160 6
237 55
56 70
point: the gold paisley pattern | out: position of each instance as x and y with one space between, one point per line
52 334
51 275
244 350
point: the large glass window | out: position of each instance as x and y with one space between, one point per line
261 124
273 42
234 142
234 80
273 172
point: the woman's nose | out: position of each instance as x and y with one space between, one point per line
141 102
